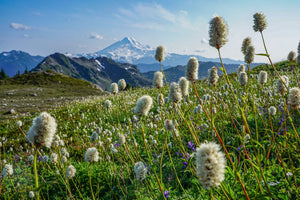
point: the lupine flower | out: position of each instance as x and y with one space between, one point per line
42 130
210 165
260 23
166 193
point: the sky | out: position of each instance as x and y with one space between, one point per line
43 27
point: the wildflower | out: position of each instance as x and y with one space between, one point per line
294 97
262 78
247 138
45 158
42 130
192 69
91 155
114 88
280 86
7 170
212 76
260 23
122 139
30 158
166 193
210 165
160 99
159 54
272 110
241 69
71 170
19 123
158 80
140 171
53 158
184 86
31 194
122 84
291 56
143 105
243 78
175 94
289 174
107 104
169 125
249 56
218 32
245 44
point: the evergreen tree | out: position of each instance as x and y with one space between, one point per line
26 71
18 73
3 74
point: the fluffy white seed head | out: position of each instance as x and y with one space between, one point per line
91 155
7 170
218 32
169 125
53 158
272 110
70 173
262 77
245 44
114 88
19 123
122 84
42 130
210 165
160 99
243 78
212 75
184 86
260 23
140 171
31 194
107 104
241 68
122 139
159 54
249 56
175 94
192 69
143 105
294 97
158 80
291 56
280 87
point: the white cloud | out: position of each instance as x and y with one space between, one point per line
26 36
155 17
95 36
17 26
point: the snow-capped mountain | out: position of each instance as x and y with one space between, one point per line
129 50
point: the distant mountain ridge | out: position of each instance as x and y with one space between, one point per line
101 70
14 61
174 73
129 50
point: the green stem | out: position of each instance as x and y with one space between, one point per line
162 71
36 175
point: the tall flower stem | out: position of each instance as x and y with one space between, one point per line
91 182
162 71
222 143
36 174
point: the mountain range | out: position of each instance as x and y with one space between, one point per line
15 61
101 70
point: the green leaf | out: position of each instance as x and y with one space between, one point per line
221 68
262 54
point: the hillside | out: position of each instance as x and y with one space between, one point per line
15 61
174 73
37 91
101 71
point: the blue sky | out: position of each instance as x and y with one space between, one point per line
44 27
